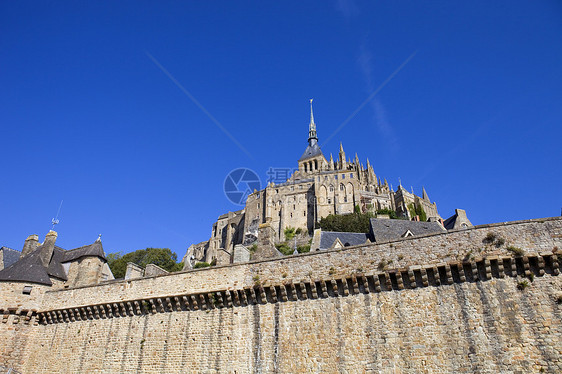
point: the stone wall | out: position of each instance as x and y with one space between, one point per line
442 303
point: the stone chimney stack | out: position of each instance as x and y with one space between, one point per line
31 244
48 247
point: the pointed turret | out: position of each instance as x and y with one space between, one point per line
342 162
424 194
331 162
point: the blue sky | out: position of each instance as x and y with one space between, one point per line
468 104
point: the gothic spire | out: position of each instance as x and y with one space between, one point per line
424 194
312 137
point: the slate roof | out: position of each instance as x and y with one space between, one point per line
450 222
9 255
311 151
30 269
327 238
91 250
389 229
27 269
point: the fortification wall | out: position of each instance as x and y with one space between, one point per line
471 327
446 303
533 236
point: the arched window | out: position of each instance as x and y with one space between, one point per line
331 188
323 194
342 188
315 164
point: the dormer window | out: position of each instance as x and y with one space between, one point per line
407 234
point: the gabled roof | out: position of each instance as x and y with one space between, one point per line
311 152
9 255
457 220
449 223
327 238
389 229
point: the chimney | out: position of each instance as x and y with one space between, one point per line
47 248
31 244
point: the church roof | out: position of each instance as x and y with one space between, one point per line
311 152
389 229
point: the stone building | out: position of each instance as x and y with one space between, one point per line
48 265
319 187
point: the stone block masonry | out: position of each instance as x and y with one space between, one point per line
444 303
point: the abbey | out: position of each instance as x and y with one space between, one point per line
319 187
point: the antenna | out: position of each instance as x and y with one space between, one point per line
55 220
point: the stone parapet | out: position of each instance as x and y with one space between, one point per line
358 281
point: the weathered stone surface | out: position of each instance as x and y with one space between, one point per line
289 317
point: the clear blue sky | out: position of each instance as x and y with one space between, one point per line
88 117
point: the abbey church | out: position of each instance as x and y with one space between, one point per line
320 187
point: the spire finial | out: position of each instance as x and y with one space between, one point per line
312 137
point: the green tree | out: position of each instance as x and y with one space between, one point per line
162 257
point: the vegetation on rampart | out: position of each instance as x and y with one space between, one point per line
162 257
353 222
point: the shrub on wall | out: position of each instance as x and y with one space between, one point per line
391 213
355 222
284 248
199 265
